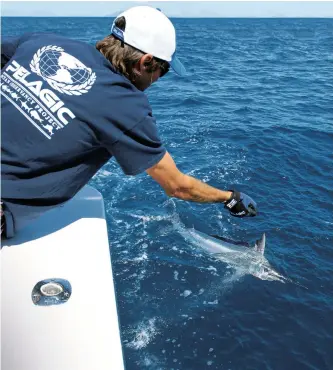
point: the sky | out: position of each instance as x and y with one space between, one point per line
172 8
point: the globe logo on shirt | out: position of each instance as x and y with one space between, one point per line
62 67
62 71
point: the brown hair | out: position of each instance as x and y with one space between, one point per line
123 57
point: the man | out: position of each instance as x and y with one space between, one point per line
68 107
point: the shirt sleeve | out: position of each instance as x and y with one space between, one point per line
8 48
139 148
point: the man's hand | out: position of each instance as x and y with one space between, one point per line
241 205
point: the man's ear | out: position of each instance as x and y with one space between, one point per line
144 64
146 61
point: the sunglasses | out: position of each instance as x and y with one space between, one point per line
163 65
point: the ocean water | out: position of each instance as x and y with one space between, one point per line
255 113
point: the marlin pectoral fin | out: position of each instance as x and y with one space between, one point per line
260 244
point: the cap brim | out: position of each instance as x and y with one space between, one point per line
178 66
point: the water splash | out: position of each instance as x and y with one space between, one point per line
143 334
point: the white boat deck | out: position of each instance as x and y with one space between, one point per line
68 243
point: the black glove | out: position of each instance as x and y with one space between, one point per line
241 205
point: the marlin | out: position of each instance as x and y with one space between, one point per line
238 255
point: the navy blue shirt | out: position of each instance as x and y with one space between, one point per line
65 113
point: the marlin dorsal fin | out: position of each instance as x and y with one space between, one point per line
260 244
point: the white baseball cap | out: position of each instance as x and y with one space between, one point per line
150 31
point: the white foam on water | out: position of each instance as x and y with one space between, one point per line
145 219
143 257
211 268
186 293
150 362
143 334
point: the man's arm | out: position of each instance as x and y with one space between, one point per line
176 184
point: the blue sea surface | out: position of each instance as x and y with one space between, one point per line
254 113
